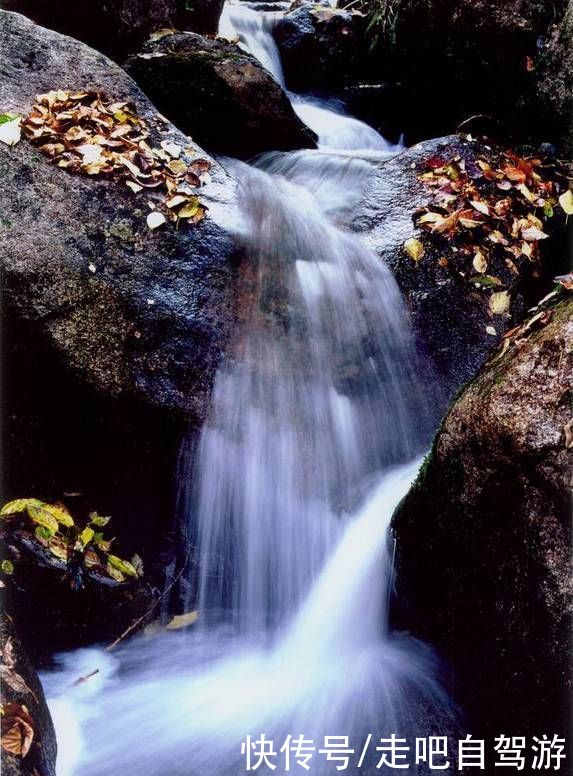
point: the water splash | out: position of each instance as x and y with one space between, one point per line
179 704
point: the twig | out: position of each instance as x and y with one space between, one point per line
137 622
83 679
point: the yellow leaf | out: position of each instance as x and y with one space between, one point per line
479 262
414 249
123 566
42 517
115 573
58 549
182 620
61 514
19 505
162 33
86 535
566 202
499 302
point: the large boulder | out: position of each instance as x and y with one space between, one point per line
118 27
113 332
134 311
319 46
483 563
450 313
25 712
220 95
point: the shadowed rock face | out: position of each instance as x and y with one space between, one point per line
20 685
484 538
219 95
555 82
457 58
448 313
117 27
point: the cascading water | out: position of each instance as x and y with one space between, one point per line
317 414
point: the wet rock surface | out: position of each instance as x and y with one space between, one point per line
449 314
484 536
133 312
21 688
319 47
219 95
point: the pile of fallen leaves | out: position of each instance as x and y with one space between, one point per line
488 216
82 132
78 546
539 316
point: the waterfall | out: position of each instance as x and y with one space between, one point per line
317 424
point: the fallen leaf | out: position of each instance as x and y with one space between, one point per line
479 262
17 729
155 219
41 516
123 566
10 129
414 249
565 280
161 33
532 234
481 207
182 620
173 149
568 433
499 302
178 199
448 224
137 564
566 202
86 535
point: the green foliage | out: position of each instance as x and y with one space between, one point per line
54 527
382 18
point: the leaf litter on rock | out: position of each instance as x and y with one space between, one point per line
85 133
488 211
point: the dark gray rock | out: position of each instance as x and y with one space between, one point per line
199 15
457 58
483 561
319 47
118 27
21 686
555 82
219 95
114 27
149 319
449 314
